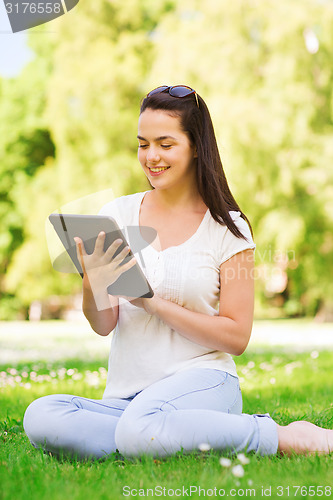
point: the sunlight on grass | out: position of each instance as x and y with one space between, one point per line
288 385
25 377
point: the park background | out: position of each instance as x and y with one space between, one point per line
68 126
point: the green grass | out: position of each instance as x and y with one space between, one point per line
287 385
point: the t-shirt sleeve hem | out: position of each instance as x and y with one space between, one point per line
236 251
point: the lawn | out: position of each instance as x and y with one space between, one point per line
288 384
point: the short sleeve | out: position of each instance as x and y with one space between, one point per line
231 244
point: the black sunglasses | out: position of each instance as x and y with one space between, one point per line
175 91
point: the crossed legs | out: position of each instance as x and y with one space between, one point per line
177 413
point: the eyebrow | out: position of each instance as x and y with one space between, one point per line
161 138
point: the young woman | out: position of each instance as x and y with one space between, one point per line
172 383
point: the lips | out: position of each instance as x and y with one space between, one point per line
157 170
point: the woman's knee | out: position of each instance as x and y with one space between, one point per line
33 417
37 419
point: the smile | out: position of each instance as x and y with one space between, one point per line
158 169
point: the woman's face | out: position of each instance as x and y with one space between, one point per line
165 151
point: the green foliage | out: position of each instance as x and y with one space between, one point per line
25 146
68 128
90 107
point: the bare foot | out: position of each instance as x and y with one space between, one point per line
304 438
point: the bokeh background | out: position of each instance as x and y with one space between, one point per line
68 126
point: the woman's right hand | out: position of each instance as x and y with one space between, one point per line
102 268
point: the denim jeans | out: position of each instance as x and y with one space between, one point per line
180 412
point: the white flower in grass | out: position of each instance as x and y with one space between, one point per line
250 482
61 373
204 447
243 459
314 354
225 462
266 366
238 471
92 379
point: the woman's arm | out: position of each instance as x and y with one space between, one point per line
230 331
102 320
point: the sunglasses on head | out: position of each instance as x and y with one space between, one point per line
175 91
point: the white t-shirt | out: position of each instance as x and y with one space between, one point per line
144 348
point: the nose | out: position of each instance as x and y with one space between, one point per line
153 155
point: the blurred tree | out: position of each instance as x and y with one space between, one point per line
25 145
265 71
91 108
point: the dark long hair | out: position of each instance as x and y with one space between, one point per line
211 180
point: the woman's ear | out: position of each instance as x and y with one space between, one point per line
195 152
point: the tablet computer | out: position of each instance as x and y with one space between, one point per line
132 283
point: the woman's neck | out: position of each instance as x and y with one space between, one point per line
175 200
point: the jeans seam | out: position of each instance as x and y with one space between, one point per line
233 404
238 392
192 392
92 401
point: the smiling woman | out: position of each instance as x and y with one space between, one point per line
172 382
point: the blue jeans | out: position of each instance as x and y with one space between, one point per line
179 412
